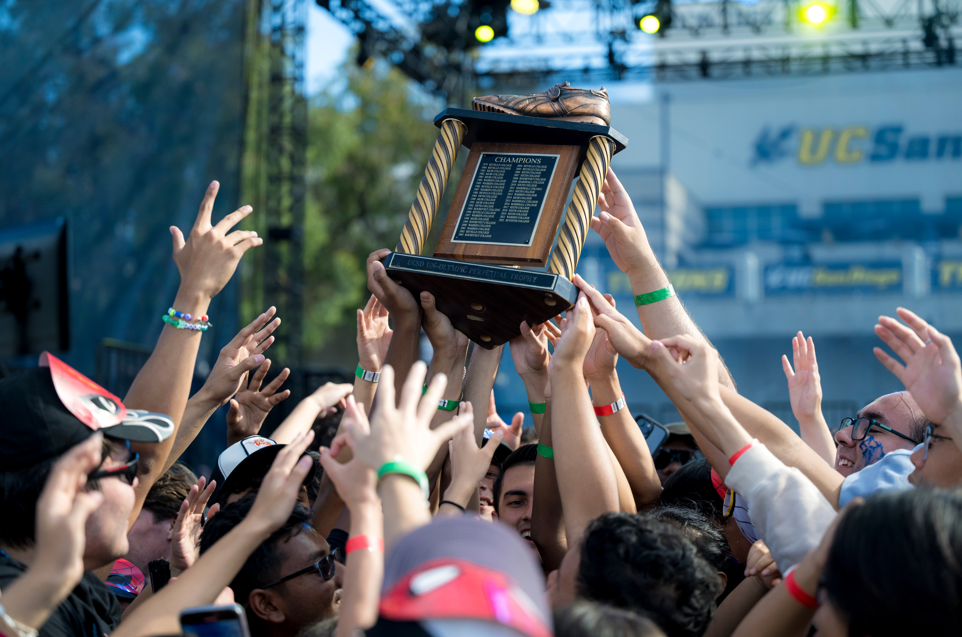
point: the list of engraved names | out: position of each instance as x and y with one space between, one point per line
505 199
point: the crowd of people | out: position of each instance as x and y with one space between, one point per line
427 514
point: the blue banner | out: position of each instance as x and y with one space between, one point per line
947 275
835 278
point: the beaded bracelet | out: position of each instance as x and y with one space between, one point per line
181 324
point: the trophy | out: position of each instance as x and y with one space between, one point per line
497 262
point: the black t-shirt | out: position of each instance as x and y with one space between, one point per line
91 609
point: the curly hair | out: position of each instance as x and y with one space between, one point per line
642 564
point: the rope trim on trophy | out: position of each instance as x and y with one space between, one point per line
564 259
425 206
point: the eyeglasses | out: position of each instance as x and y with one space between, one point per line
323 567
665 457
861 427
126 472
927 443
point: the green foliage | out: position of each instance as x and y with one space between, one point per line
369 138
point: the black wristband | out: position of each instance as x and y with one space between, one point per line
454 504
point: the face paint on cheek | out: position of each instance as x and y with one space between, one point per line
871 450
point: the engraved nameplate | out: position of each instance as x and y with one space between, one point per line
505 199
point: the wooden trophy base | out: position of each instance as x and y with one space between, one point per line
486 303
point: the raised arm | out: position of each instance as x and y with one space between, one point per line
469 463
620 430
227 377
373 339
478 383
206 261
805 392
529 352
402 351
325 398
620 228
586 479
547 517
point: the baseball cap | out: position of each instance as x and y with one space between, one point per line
126 580
251 456
51 408
456 572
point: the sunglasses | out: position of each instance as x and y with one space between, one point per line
324 567
126 472
861 427
665 457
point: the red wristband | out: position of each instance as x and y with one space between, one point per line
796 591
362 542
607 410
738 454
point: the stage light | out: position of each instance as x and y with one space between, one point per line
484 33
649 24
816 13
525 7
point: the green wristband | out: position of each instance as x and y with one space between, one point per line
448 405
363 374
545 451
536 408
402 467
654 297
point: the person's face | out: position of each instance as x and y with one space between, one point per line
563 583
941 467
486 492
897 411
828 621
149 540
739 544
515 504
674 443
308 598
106 528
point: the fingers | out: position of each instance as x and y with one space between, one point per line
69 474
903 333
287 462
889 362
246 245
810 353
266 330
598 302
370 308
254 326
238 236
898 345
787 368
214 510
449 429
946 349
517 423
245 366
205 496
356 418
207 206
429 404
386 389
275 384
914 320
233 219
178 238
258 376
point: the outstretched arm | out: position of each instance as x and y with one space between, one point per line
373 340
586 479
206 261
402 351
478 383
805 392
620 228
547 519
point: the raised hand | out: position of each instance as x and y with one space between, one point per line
397 299
760 562
373 335
510 433
403 428
185 534
932 372
62 512
626 339
446 341
240 356
469 463
210 254
804 383
602 358
620 228
529 350
355 481
278 493
692 366
250 406
577 333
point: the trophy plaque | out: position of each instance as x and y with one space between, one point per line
497 262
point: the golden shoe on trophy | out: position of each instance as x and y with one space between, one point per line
561 101
501 259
